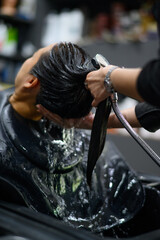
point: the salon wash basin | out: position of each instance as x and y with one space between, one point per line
17 222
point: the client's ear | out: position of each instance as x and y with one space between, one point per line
31 82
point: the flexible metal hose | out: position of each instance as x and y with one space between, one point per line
138 139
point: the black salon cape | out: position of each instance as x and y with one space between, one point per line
49 172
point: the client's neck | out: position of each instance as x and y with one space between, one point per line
25 107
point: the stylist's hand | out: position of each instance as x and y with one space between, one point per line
83 123
95 83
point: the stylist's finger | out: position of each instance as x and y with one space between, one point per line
42 110
85 122
51 116
65 123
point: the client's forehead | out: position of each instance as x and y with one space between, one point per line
41 51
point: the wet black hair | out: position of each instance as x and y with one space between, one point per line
62 72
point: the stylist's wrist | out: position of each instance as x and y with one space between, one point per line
108 81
